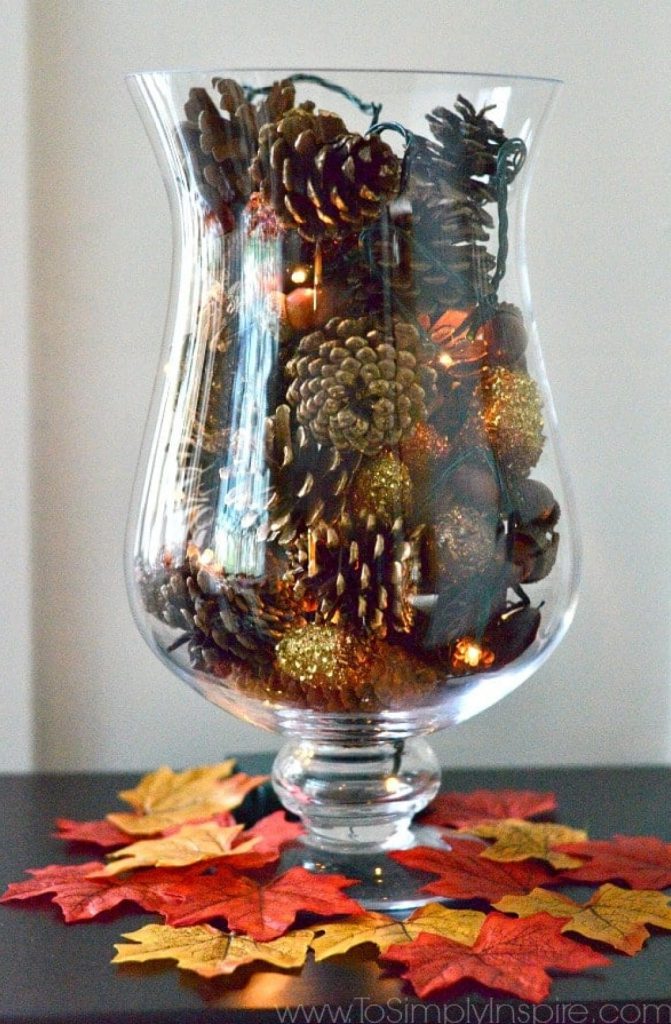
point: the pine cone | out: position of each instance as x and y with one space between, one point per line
221 145
358 387
308 481
321 179
234 617
359 574
449 186
468 140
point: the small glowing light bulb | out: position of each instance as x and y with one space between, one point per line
299 275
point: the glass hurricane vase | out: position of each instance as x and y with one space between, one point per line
351 522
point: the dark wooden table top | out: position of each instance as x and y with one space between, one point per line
52 973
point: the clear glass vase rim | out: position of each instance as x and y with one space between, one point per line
429 72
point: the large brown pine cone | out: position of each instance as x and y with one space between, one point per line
308 481
228 616
321 179
361 574
359 384
221 144
450 183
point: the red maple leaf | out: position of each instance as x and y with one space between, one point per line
505 957
101 833
465 875
457 810
79 897
643 862
265 910
275 831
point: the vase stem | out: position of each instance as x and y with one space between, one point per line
356 797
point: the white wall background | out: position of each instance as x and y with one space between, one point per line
85 243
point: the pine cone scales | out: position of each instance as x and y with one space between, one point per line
364 575
242 618
449 185
308 481
469 142
358 386
319 178
222 147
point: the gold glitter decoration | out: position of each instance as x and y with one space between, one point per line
513 420
383 488
311 654
469 655
423 449
466 542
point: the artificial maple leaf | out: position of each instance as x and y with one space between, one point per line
457 810
612 915
208 951
266 910
522 840
164 799
189 845
100 833
74 892
338 937
643 862
464 875
82 898
514 959
274 831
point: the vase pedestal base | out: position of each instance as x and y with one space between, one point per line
357 803
384 885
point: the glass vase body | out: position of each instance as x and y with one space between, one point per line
351 521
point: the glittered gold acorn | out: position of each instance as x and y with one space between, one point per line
423 451
382 488
513 420
327 668
316 654
359 384
466 542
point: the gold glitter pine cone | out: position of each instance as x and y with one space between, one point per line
358 386
382 487
321 179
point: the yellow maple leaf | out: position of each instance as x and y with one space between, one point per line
208 951
612 915
190 844
164 799
523 840
340 936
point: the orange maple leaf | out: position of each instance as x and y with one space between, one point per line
164 799
522 840
208 951
188 845
340 936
